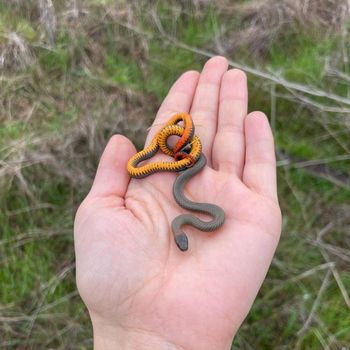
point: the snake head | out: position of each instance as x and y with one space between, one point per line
181 241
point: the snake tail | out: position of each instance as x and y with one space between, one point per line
214 211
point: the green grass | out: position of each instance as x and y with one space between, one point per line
57 114
20 25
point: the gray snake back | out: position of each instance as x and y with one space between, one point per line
188 219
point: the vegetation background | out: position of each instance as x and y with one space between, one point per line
74 72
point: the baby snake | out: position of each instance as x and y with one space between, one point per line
188 156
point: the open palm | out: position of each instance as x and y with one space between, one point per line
140 289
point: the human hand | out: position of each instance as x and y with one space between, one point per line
141 291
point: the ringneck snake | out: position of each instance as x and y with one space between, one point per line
189 160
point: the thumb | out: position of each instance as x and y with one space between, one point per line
112 177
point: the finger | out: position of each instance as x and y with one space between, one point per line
179 99
259 171
228 148
204 109
111 176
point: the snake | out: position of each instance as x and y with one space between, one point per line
186 151
187 219
189 160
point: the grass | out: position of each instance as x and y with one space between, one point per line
105 70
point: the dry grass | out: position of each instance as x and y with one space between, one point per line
262 23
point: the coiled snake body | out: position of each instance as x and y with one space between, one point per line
188 156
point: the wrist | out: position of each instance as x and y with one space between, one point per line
107 337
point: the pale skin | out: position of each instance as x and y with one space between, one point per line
141 291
